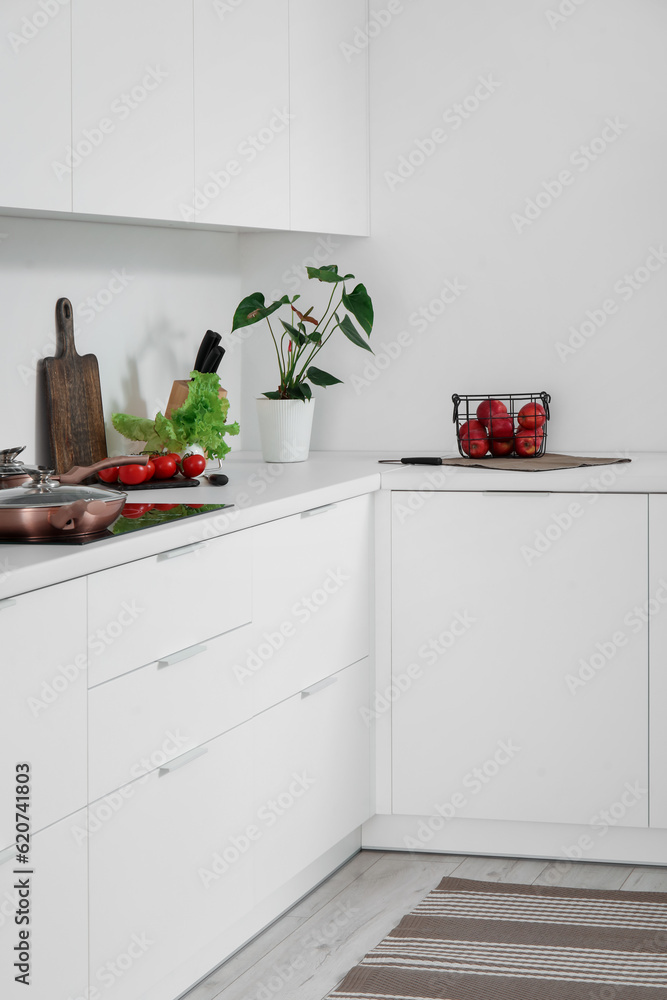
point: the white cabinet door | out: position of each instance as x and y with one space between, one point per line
312 774
310 599
241 114
132 107
155 607
164 709
171 869
657 614
43 705
35 112
55 900
329 126
522 657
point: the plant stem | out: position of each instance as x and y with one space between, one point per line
275 344
318 347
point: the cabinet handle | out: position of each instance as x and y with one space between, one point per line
314 511
513 493
9 602
183 654
183 551
181 761
320 686
7 855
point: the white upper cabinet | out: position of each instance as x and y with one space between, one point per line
329 126
242 131
36 106
132 107
220 112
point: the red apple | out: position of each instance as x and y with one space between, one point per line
473 438
528 441
501 448
501 428
532 415
490 408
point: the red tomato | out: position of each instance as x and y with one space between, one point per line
135 509
165 467
149 470
132 475
195 505
165 506
193 466
109 475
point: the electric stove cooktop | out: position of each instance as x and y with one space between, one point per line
135 517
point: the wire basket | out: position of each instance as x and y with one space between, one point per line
500 438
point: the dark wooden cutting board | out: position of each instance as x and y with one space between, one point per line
73 399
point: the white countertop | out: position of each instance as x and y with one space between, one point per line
261 492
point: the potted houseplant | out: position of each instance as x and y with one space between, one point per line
286 413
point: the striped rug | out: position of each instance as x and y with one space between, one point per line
492 941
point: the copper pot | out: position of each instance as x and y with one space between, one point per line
42 508
13 472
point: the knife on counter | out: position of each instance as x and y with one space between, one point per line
410 461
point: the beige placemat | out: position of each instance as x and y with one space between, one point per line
545 463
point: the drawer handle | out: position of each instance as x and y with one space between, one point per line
183 654
9 602
314 511
183 551
181 761
320 686
513 493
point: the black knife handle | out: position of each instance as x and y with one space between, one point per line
209 340
210 363
421 461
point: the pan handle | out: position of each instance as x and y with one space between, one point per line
80 472
67 518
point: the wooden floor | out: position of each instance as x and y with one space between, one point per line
304 954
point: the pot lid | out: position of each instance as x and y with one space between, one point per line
10 464
41 491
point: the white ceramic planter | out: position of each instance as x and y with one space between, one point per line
284 428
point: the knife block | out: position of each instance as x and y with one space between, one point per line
179 393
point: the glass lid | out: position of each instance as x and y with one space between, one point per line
41 491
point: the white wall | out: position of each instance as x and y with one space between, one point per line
143 298
452 220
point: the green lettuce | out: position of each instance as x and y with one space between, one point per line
202 420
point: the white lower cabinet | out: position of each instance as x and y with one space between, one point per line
657 617
43 705
521 655
170 868
164 709
312 774
311 607
151 608
56 904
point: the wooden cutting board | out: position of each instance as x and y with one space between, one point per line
73 399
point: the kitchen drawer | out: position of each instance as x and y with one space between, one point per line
43 704
310 598
312 774
161 710
151 608
58 912
169 868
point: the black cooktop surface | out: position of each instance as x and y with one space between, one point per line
135 517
